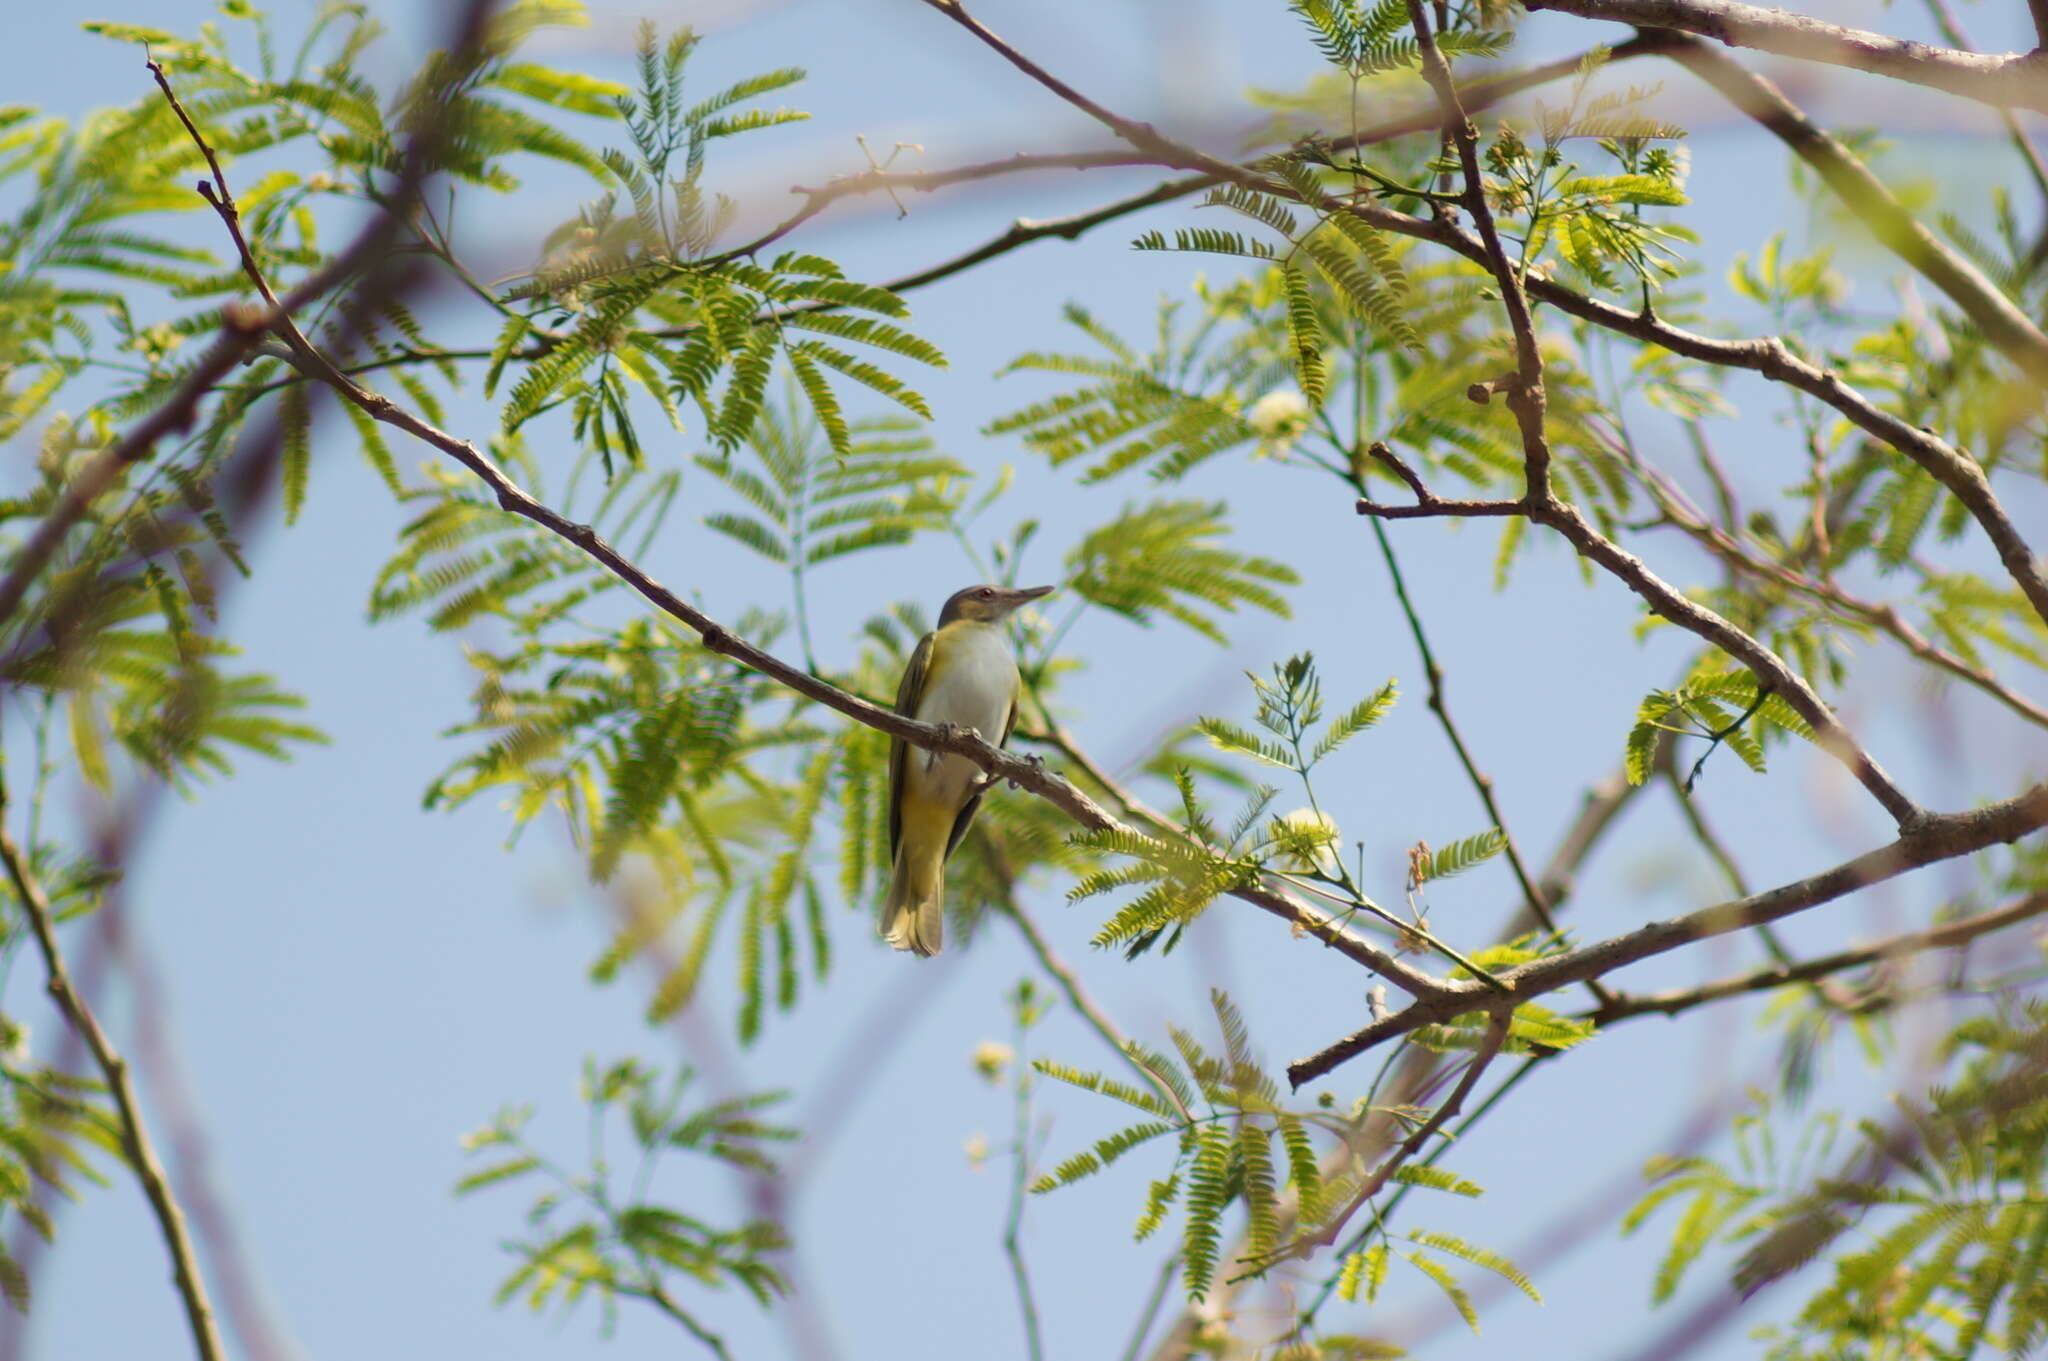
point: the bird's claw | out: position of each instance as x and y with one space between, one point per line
1035 761
949 732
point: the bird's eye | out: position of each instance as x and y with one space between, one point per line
984 593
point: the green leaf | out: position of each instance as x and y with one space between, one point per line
1305 330
1436 1179
1106 1086
1206 1199
296 423
1447 1283
1480 1257
1355 720
488 1176
1459 856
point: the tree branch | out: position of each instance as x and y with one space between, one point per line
135 1136
1886 617
1936 837
1958 37
1326 1233
1526 396
1533 899
1669 602
1944 937
242 328
1304 917
1962 475
1142 136
1077 997
2019 80
2003 323
994 761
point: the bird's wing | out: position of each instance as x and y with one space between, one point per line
907 695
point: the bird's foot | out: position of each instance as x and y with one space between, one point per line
1035 761
951 732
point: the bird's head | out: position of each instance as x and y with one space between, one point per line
988 604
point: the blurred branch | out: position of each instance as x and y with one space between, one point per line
1020 1179
1935 837
135 1136
1327 1232
156 1056
1153 1299
1995 314
818 200
1948 936
1085 1006
242 329
1599 806
2016 79
1958 37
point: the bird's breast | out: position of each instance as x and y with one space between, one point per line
972 682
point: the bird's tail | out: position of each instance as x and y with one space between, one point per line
915 917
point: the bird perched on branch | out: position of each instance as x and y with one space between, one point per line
965 674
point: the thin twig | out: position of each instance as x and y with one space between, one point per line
653 1293
1526 398
1720 540
1959 37
1771 670
1481 782
1156 1297
1013 1225
1085 1006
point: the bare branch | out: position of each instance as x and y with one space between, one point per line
1533 899
1140 135
2018 80
1944 937
818 200
1935 837
1084 1006
135 1136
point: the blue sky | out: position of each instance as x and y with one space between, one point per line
351 982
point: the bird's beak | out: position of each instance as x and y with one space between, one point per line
1021 594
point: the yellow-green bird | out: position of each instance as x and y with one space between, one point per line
962 673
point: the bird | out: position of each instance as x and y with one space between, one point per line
963 673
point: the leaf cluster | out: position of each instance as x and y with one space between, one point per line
598 1232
